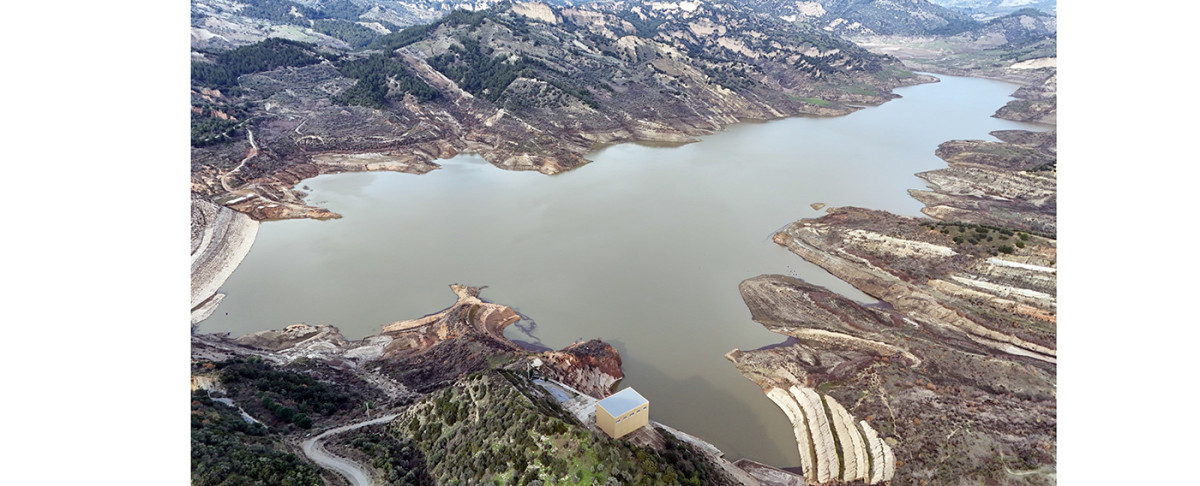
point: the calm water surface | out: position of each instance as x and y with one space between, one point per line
644 248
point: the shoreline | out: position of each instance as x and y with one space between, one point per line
221 249
221 239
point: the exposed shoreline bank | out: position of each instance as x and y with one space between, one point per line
221 238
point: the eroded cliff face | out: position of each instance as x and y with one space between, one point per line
593 367
423 354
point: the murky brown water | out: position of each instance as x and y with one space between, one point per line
644 248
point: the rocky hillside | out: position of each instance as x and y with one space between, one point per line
461 408
988 9
869 17
865 383
1018 47
501 428
256 395
955 369
528 86
1010 184
422 354
337 24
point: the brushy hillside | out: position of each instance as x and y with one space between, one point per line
497 427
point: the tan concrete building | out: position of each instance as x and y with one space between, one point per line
623 412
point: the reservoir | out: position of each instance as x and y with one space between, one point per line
644 248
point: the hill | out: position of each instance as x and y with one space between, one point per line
528 86
870 17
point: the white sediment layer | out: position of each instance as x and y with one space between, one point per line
821 426
800 428
205 309
854 460
226 240
883 463
823 442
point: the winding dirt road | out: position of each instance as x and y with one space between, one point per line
358 474
249 155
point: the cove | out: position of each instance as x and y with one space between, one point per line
643 248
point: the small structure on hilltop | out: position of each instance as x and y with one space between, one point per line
623 412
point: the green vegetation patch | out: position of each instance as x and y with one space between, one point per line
980 237
227 450
814 64
816 101
887 73
279 11
477 69
398 459
646 27
401 38
287 396
378 76
208 129
352 33
731 74
283 11
262 56
498 427
860 90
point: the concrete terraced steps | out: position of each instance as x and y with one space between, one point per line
823 427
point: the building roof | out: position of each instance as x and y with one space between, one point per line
622 401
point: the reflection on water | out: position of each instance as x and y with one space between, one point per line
644 248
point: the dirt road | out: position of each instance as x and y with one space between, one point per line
358 474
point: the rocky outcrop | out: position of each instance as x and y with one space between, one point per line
881 254
953 374
954 370
425 353
536 11
1037 101
1009 184
592 367
898 398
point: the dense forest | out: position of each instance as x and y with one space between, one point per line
352 33
261 56
480 71
283 396
476 70
281 11
377 75
227 450
208 129
399 461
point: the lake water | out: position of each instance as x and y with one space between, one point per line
644 248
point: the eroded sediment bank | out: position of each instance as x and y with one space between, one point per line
957 375
221 238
